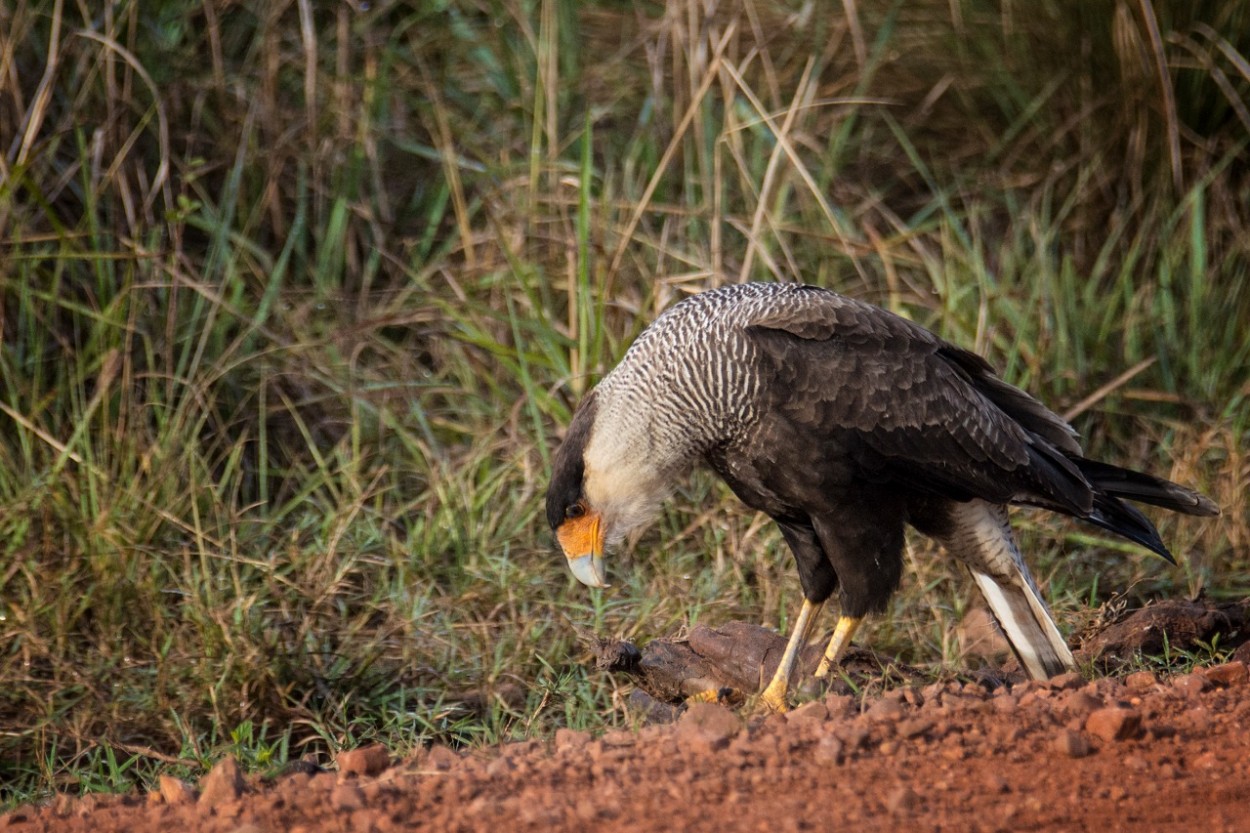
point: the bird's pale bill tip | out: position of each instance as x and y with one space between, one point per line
589 570
581 538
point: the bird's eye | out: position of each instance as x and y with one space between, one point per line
575 510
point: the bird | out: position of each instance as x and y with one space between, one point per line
845 423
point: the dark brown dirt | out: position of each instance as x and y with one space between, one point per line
1128 753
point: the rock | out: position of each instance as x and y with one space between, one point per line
374 790
1034 697
955 753
902 800
1159 731
1242 654
1107 688
1070 743
1113 724
617 738
1197 719
1228 674
585 810
1082 702
808 713
570 739
63 804
346 797
828 750
366 760
1141 680
856 737
228 810
322 781
884 710
223 783
441 758
13 818
86 805
1066 681
914 727
175 791
499 767
521 748
996 784
708 723
1191 685
1207 760
840 705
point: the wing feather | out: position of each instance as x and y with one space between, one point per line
913 406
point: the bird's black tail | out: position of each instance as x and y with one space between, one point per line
1111 483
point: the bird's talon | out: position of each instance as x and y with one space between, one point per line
772 702
764 708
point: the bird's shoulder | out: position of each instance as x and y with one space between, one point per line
820 315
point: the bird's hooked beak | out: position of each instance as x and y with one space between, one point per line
582 541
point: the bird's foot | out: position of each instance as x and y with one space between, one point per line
773 700
847 625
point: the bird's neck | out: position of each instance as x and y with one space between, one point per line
680 392
639 453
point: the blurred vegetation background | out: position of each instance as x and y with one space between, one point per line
296 297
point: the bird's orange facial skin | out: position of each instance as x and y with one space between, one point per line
581 536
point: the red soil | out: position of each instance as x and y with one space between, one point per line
1130 754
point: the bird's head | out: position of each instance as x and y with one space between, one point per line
603 486
580 530
578 525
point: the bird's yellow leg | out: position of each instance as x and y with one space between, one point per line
847 625
774 697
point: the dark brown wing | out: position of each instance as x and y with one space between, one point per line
912 408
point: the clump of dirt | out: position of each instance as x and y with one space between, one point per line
1128 753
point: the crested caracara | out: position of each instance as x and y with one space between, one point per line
844 423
